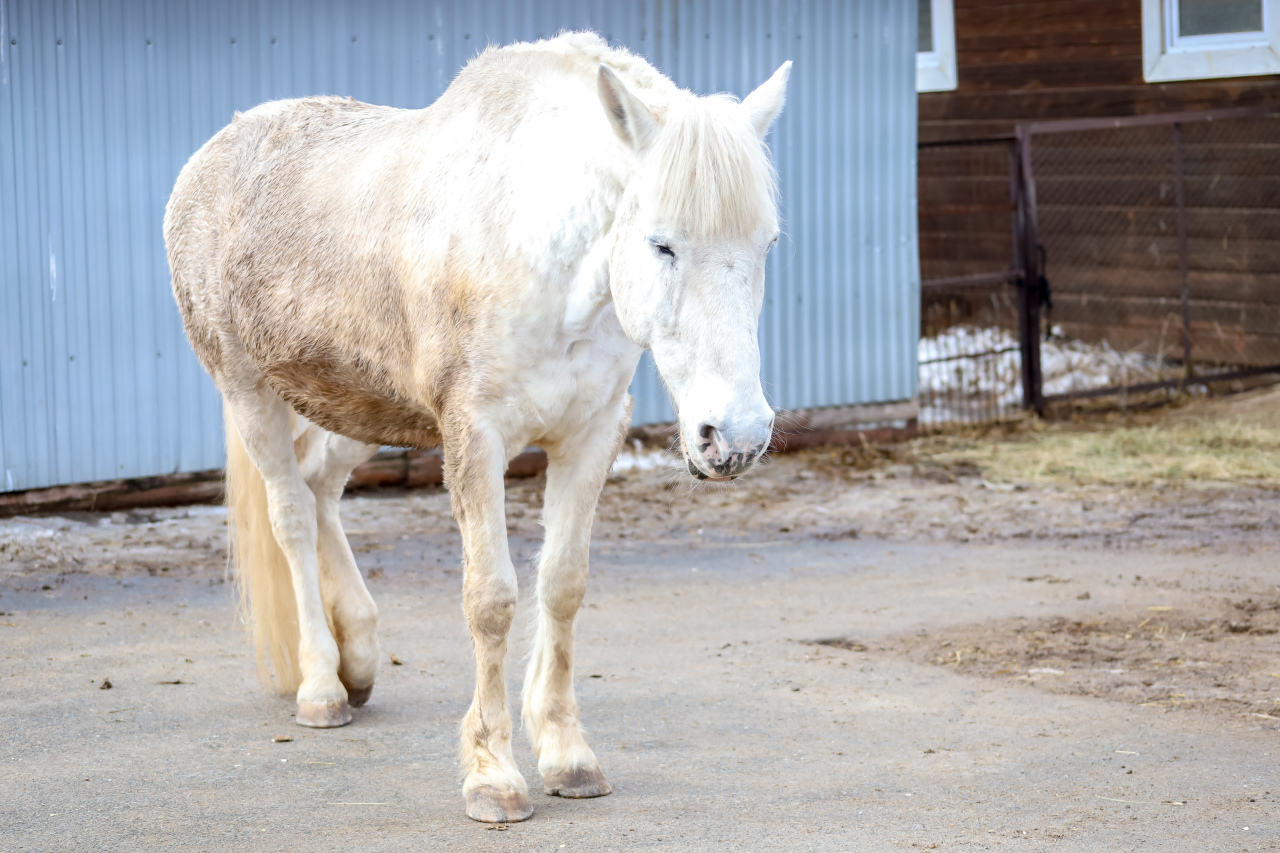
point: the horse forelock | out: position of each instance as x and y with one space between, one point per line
712 176
708 172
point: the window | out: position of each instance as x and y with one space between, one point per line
1196 39
936 47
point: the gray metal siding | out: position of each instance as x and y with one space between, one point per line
102 101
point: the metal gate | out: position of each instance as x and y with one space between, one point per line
974 350
1160 234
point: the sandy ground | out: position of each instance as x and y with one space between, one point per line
833 654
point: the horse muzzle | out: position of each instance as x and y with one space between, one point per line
715 458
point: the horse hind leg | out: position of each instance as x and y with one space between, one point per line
259 422
327 460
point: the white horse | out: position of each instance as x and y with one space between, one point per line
482 274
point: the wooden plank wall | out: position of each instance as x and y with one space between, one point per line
1024 60
966 228
1105 200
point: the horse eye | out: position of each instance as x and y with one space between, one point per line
662 248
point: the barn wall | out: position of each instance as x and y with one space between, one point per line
102 101
1105 198
1032 60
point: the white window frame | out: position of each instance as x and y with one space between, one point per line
936 70
1165 56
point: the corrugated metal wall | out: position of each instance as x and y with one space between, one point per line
102 101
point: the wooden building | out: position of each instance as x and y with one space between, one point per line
1108 213
1032 60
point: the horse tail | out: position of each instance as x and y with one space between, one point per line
264 583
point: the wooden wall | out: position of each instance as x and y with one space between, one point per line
1027 60
1106 208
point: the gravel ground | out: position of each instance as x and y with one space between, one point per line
834 654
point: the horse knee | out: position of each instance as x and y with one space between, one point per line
491 606
561 590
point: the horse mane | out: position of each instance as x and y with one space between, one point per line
710 173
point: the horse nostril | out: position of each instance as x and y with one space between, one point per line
706 432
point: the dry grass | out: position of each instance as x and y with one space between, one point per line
1224 440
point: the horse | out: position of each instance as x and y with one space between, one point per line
480 275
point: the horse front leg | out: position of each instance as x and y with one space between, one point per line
475 464
576 472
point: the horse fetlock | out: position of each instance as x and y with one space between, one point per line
496 772
494 789
318 660
557 741
486 739
552 721
322 702
358 671
568 766
359 654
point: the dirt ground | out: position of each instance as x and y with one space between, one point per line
880 649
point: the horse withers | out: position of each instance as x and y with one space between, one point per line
482 274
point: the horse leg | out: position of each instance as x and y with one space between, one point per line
576 472
327 460
262 420
475 462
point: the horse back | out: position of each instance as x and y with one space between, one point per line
287 241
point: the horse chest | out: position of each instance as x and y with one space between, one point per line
559 389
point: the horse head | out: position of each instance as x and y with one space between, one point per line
687 269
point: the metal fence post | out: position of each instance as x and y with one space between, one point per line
1179 171
1029 294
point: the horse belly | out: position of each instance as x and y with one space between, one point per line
345 398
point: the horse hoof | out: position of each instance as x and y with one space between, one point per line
357 696
323 715
579 783
489 805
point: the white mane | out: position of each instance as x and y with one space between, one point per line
709 172
712 175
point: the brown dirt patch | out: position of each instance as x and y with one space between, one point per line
1220 657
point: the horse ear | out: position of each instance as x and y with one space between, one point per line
631 119
764 104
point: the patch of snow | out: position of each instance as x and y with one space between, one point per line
956 388
639 458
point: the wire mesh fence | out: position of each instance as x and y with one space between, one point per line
970 359
1160 235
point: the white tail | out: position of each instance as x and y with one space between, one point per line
264 583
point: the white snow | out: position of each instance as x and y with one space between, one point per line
990 388
639 458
